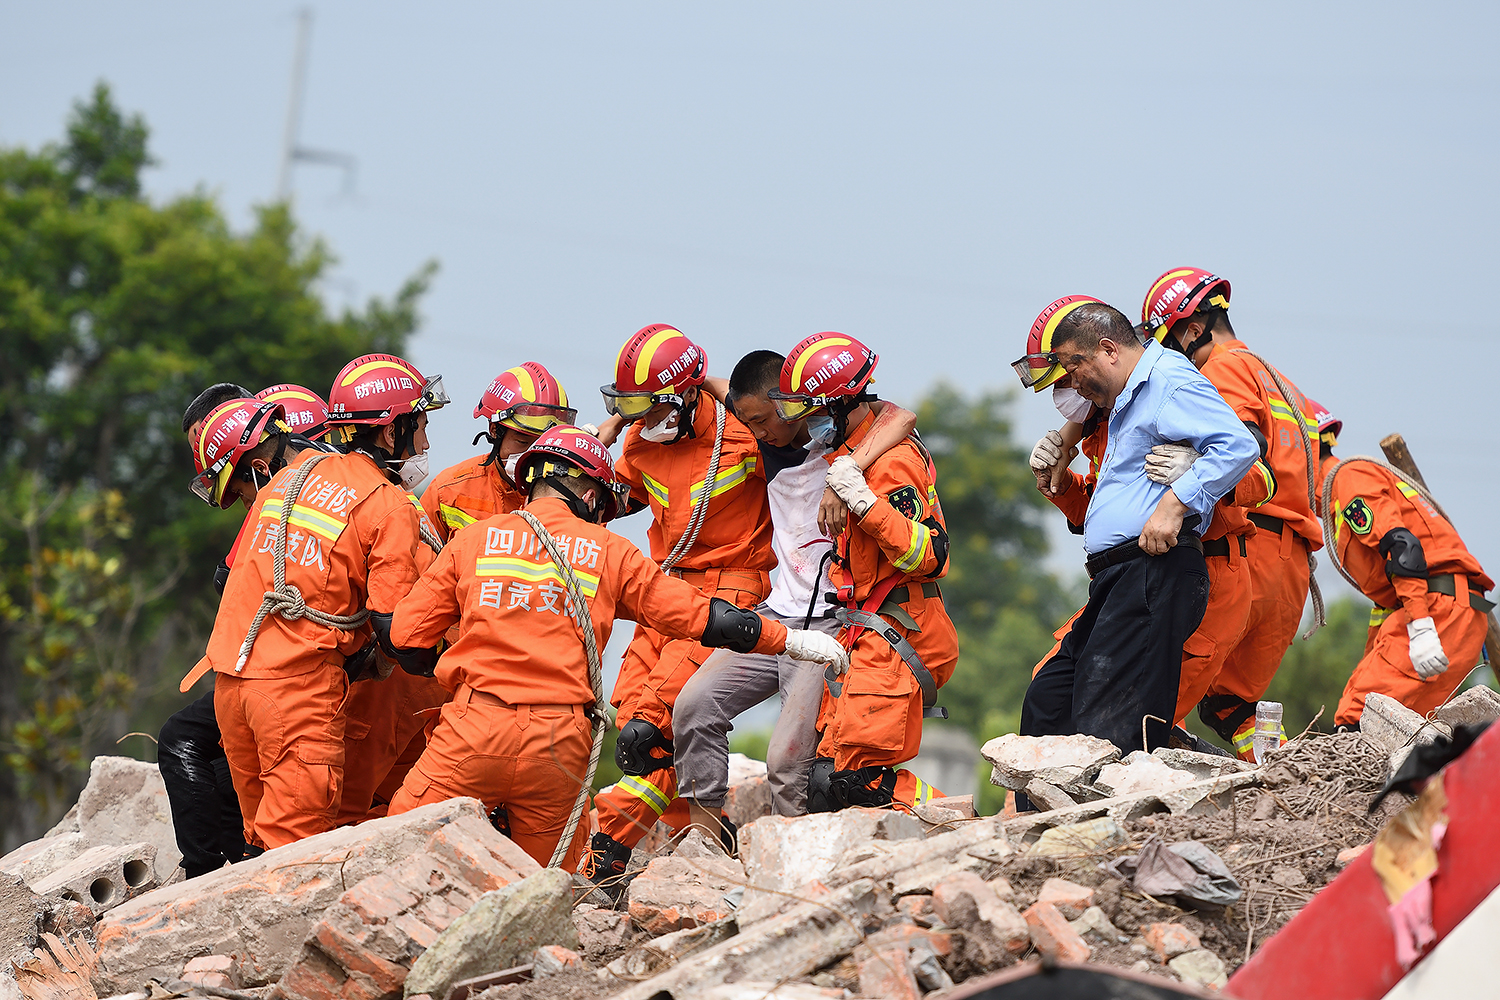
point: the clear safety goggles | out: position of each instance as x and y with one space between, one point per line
535 418
632 406
1035 368
433 397
209 484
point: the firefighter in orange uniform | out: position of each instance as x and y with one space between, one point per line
710 529
520 404
1225 543
1428 625
349 548
892 551
1187 309
517 733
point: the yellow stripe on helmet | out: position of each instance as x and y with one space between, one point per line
1058 317
387 362
1170 276
527 384
802 359
648 351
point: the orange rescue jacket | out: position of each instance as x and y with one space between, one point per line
352 541
467 492
736 533
517 638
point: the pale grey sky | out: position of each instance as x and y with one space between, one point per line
925 177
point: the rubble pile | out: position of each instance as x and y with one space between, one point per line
1174 865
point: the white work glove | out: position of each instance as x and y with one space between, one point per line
1048 451
1426 648
1167 462
589 429
806 644
845 479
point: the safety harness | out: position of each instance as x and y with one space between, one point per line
867 617
1296 401
286 600
700 509
585 622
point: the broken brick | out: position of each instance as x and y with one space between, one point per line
1069 897
1053 936
884 972
1169 940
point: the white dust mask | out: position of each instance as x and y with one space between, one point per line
663 432
413 470
1070 404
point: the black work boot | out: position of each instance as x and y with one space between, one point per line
604 865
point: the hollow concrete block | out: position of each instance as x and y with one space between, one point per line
103 877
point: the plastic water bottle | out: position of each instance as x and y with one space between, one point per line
1267 729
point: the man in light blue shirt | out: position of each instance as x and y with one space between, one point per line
1119 665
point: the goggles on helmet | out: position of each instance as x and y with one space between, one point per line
632 406
433 397
535 418
209 484
1034 368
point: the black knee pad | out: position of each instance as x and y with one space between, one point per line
1211 707
634 745
820 795
853 787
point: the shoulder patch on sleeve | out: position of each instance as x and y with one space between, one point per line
1358 517
908 502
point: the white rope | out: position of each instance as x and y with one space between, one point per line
700 508
286 600
585 623
1298 403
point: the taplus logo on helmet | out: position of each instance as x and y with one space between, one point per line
656 365
1178 294
306 412
568 453
823 369
1039 367
527 399
232 429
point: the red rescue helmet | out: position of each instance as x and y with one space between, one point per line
569 451
655 366
231 430
1329 426
375 389
306 413
822 369
1178 294
527 399
1039 367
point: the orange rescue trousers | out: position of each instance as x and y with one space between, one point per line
1386 666
284 739
652 674
384 732
529 758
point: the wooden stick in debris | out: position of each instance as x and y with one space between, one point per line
1396 452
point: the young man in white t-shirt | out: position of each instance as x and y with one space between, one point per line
805 520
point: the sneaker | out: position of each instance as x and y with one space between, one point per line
604 865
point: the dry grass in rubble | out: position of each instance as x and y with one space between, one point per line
1279 841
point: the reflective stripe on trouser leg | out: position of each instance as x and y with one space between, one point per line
629 810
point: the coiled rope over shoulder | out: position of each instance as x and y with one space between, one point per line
1330 523
585 622
286 600
1298 403
700 509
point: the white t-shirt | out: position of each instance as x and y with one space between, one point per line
794 494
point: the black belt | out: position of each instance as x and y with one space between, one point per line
1443 583
1266 521
1220 547
1126 551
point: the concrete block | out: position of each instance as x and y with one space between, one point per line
21 914
601 930
1053 935
964 901
103 877
125 802
789 946
1057 760
1070 898
749 796
1045 795
784 853
211 970
1088 837
1475 706
41 858
1387 723
1200 765
551 959
654 956
498 932
922 878
675 892
1141 772
1096 923
1201 967
263 909
1170 940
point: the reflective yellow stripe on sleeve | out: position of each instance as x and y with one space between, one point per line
725 480
657 490
1378 615
912 557
455 518
1270 480
648 793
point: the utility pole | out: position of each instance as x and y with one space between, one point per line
292 152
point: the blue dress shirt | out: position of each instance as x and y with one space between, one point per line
1165 400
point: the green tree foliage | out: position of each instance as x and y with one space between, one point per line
114 313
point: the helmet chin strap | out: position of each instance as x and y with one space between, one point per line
840 411
494 455
574 501
1202 340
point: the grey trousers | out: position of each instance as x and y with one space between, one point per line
727 684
